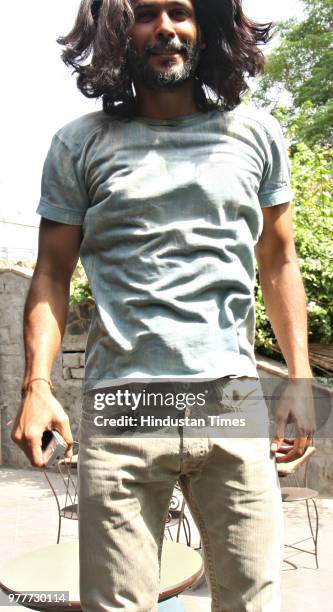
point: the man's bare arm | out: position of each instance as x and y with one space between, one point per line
283 289
45 319
285 303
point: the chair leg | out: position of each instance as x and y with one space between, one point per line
187 530
170 533
58 505
183 521
199 547
314 534
59 529
181 516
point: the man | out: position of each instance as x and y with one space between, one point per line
164 195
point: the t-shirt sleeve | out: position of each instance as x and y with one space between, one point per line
64 196
275 183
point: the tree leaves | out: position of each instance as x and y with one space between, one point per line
302 65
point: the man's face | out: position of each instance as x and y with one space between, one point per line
165 43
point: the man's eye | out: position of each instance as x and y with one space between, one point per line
144 16
179 14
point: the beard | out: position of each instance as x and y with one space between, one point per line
172 76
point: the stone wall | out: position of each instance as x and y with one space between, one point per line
74 342
68 370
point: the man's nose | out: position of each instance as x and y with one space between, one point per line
164 28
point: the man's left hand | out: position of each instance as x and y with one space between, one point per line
295 404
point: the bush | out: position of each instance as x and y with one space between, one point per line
313 228
80 289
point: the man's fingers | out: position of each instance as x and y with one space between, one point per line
69 452
36 415
305 427
278 438
63 427
32 447
276 443
30 444
284 449
36 453
297 450
280 426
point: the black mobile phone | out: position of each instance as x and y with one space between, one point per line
53 447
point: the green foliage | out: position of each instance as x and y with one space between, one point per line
302 65
264 340
312 172
80 289
313 223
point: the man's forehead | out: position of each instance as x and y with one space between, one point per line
162 3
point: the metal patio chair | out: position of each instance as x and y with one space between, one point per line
294 488
67 469
177 518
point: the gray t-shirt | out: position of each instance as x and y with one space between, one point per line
171 212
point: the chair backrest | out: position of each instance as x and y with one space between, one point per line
67 469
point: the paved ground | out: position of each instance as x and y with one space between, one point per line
28 519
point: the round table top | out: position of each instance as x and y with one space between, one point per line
56 568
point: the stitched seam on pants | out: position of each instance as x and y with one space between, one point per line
205 538
160 544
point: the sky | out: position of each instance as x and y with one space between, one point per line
40 95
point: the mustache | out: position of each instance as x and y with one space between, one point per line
167 47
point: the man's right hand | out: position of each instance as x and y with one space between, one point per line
39 411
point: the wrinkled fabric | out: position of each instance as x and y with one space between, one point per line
231 487
171 212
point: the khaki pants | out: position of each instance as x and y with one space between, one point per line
231 487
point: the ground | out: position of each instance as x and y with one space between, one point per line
29 519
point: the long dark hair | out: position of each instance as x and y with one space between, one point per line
101 36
